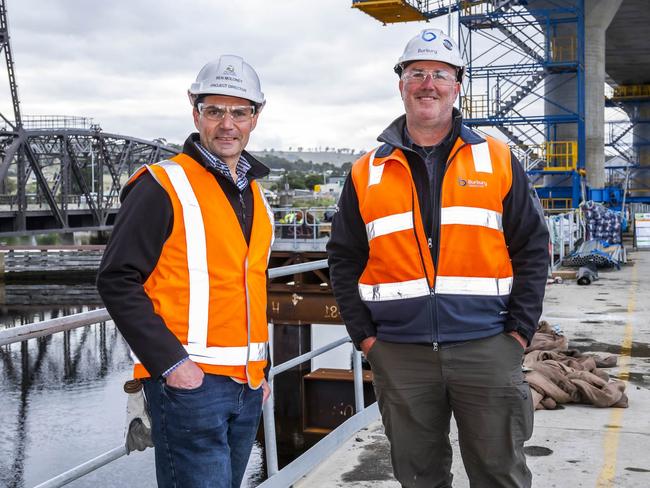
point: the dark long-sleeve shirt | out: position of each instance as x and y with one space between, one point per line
142 226
524 230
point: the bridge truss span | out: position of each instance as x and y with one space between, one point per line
67 179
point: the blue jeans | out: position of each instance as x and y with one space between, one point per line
203 437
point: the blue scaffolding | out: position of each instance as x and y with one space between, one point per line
628 175
520 55
519 59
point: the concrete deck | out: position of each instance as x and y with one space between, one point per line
578 446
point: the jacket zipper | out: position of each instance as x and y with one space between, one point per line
434 337
439 205
437 261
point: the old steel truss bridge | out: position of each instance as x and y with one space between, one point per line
58 173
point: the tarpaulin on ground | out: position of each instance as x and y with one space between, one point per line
602 223
558 375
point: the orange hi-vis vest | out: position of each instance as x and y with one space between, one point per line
466 296
209 285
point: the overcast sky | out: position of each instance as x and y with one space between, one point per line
325 68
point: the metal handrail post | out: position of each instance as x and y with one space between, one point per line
561 238
268 409
572 217
358 380
270 440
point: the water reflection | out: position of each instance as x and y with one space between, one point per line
62 403
53 294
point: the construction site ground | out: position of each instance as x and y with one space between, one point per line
577 445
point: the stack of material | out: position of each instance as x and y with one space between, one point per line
587 274
602 223
597 253
557 375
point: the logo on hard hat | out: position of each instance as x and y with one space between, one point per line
230 70
428 36
447 43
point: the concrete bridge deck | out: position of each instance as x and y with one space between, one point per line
578 446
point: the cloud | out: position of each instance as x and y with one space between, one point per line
326 69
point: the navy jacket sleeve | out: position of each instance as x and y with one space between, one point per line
142 226
347 252
527 239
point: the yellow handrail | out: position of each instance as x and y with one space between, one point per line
558 155
563 49
475 107
632 91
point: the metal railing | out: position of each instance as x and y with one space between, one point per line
302 228
277 478
73 202
34 122
564 231
291 473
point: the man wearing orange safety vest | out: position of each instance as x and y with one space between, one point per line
184 279
438 260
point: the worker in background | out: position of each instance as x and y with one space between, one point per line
438 261
184 278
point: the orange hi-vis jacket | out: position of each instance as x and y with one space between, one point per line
466 297
209 286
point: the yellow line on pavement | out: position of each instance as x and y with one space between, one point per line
610 443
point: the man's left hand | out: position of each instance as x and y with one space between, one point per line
266 391
519 338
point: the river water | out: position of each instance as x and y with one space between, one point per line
61 396
62 403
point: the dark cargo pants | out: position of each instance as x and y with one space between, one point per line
481 382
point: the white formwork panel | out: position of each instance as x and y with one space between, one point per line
642 230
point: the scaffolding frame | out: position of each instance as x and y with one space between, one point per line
517 57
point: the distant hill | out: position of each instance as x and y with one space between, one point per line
334 157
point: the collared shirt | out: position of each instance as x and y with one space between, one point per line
242 167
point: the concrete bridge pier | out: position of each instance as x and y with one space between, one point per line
598 16
641 141
561 89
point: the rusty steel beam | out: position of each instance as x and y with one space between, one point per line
302 306
301 298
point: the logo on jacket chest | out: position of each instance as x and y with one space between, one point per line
472 183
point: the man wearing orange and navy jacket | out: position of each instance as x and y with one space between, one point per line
184 278
438 260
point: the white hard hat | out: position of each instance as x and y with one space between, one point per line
431 45
229 75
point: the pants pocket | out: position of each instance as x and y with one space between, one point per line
184 391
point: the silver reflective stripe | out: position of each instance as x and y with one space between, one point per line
389 224
228 356
472 216
223 356
269 212
197 258
481 155
460 285
152 173
374 172
394 291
